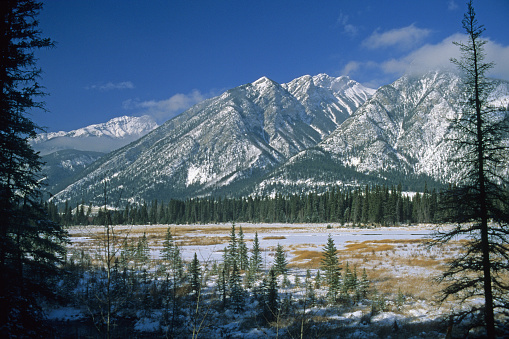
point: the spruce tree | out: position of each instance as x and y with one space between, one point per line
280 262
171 255
330 266
363 285
174 268
318 280
242 249
270 305
310 291
255 262
236 291
195 275
31 246
142 250
479 200
231 252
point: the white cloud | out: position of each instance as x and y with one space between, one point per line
427 57
167 108
438 56
351 67
499 55
432 57
452 5
403 38
110 86
347 27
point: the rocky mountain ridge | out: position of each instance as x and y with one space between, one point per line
402 132
307 135
221 144
103 137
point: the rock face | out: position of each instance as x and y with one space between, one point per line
223 144
403 130
306 135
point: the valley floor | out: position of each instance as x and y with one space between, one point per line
399 264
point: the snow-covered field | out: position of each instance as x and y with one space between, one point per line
399 264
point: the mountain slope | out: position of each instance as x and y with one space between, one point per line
220 145
104 137
62 167
402 131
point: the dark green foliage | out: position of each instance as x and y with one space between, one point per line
310 297
381 205
349 284
255 262
242 251
195 275
363 285
171 256
186 304
330 265
270 298
31 246
280 261
142 250
236 291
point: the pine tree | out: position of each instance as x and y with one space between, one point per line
349 279
222 285
318 280
171 254
280 262
231 252
330 266
363 286
310 291
296 281
242 249
255 262
30 244
142 250
195 275
270 305
236 291
480 195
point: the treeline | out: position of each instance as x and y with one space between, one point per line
376 204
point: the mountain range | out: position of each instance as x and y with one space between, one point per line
67 154
305 135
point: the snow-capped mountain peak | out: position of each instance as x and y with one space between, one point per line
104 137
243 133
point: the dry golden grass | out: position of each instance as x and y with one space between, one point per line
203 241
275 237
423 262
391 265
306 259
367 246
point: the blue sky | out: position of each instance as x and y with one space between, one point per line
156 57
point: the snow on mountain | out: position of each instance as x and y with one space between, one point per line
220 145
104 137
403 130
337 97
306 135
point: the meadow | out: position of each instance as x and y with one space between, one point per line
400 266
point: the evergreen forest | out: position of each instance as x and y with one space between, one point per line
369 205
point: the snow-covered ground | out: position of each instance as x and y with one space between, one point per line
398 262
312 236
